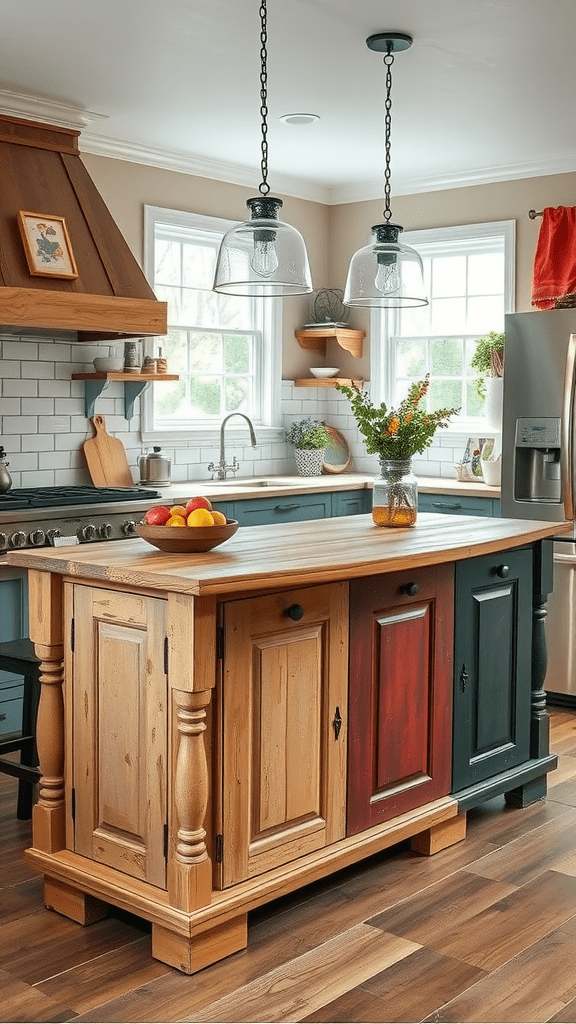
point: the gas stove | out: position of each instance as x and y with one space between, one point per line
44 516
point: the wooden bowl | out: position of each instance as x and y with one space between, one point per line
187 538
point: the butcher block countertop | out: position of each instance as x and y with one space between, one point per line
290 554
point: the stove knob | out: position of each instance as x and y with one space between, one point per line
3 540
105 530
128 528
37 537
52 534
18 539
88 532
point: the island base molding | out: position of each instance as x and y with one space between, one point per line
83 890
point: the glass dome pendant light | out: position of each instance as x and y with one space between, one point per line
263 256
386 273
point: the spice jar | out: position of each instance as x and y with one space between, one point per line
161 363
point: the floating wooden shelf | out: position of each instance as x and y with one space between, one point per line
134 385
316 337
327 382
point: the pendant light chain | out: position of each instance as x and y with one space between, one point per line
264 187
388 61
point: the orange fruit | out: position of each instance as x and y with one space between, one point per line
218 517
178 510
175 521
200 517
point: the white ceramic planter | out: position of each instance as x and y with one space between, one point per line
493 404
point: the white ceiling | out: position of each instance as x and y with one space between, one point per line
485 93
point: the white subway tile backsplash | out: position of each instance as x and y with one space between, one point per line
10 407
37 442
19 425
17 387
10 368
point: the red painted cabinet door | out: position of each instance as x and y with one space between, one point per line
400 713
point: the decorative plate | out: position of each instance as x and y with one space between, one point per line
337 456
187 538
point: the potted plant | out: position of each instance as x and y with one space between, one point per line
310 439
395 435
488 360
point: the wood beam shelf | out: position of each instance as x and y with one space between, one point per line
134 385
327 382
316 338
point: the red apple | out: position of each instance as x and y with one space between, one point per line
198 503
157 516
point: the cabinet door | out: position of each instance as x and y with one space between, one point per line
284 723
400 693
351 503
492 665
13 625
289 509
455 504
119 745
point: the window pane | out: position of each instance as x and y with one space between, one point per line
411 359
200 308
416 319
198 263
448 276
446 358
205 396
206 353
171 398
237 353
236 312
175 348
485 314
475 403
173 297
167 262
486 273
237 393
448 316
445 394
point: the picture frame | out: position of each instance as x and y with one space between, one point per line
47 245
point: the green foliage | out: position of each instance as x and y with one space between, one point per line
308 433
487 359
397 433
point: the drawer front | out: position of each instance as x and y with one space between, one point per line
455 505
289 509
351 503
11 709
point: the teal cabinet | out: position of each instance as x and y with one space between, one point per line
351 503
291 508
13 625
456 505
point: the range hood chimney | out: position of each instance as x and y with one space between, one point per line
41 172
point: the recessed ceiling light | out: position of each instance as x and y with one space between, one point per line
299 118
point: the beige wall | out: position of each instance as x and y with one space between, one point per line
333 233
127 188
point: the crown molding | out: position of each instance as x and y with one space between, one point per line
15 104
187 163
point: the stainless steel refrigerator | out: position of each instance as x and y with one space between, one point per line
538 463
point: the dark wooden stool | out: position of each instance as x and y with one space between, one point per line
18 656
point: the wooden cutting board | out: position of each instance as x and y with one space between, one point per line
106 458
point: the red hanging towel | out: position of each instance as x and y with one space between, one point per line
555 259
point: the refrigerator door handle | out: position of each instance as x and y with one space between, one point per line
567 451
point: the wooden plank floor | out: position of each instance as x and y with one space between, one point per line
484 931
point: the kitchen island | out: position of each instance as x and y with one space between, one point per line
216 730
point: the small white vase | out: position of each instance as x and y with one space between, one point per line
493 404
309 461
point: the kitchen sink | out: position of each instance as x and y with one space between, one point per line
252 483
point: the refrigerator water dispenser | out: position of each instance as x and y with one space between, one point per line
537 466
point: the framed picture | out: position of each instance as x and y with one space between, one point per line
47 245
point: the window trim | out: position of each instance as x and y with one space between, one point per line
270 429
383 323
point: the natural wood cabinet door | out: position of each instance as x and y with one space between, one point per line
119 746
284 696
400 693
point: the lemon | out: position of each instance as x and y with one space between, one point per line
200 517
175 521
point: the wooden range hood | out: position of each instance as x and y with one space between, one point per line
41 171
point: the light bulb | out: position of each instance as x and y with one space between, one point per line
387 279
264 260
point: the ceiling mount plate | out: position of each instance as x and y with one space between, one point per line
380 42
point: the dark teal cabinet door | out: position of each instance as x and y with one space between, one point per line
492 665
457 505
289 509
351 503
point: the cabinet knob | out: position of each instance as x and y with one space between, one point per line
502 571
295 611
409 588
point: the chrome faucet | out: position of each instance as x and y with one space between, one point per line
222 468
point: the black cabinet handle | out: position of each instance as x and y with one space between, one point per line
409 588
463 678
337 723
285 508
446 504
295 611
502 571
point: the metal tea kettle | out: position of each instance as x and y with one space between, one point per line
5 478
155 468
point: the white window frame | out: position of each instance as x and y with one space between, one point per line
269 428
384 323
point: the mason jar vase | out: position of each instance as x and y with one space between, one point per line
395 494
